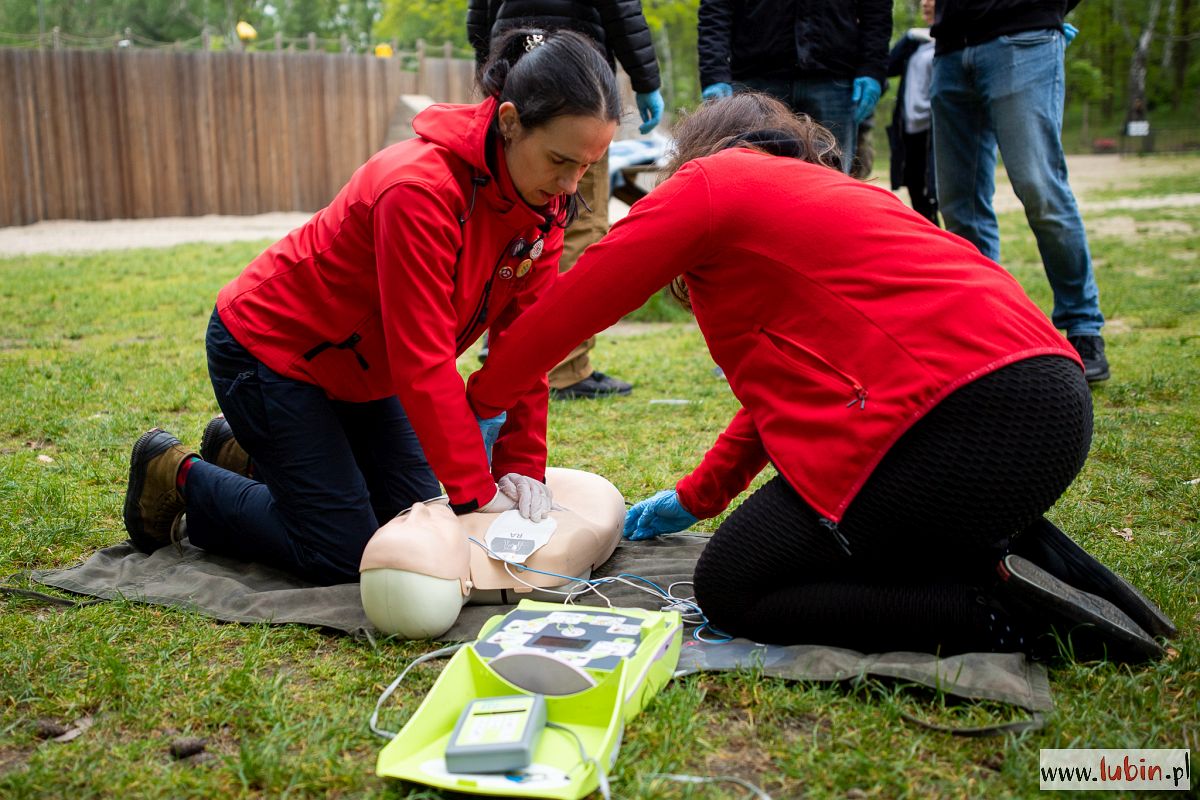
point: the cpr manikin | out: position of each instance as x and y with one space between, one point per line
421 568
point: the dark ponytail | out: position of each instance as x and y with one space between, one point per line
548 74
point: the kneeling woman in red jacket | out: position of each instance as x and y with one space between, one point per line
920 411
333 354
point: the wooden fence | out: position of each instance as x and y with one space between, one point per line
137 133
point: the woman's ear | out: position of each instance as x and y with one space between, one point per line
510 121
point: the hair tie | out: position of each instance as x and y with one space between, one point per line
534 40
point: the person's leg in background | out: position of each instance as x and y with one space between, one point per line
864 150
575 377
916 168
1021 77
964 152
828 101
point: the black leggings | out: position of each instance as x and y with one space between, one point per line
924 533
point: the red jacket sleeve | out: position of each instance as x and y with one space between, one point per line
727 469
521 447
663 233
417 239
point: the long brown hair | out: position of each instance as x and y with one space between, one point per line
717 125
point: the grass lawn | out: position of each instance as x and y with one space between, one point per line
95 349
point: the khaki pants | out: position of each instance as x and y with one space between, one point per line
588 229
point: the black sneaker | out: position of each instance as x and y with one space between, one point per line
1057 553
1091 350
595 385
1093 627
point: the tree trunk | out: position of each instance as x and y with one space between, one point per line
1182 53
1136 110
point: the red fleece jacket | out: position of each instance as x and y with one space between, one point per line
379 292
839 315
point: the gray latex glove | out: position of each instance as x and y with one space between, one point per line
532 497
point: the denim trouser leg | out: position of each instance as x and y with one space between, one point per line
1018 81
330 472
826 100
964 148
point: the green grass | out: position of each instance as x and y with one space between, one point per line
94 349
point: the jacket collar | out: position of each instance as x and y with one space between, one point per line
463 130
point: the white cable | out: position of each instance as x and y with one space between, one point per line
445 651
605 792
745 784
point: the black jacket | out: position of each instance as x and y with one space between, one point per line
965 23
740 39
617 25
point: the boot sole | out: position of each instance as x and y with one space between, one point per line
142 453
1108 631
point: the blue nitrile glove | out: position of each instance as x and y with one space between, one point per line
865 96
650 108
661 513
1069 33
715 91
490 428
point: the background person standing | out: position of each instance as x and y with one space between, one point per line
998 82
824 58
619 28
909 134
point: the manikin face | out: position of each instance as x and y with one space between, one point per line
549 160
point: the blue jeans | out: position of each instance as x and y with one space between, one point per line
328 473
1009 92
826 100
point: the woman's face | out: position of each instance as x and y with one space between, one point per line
549 160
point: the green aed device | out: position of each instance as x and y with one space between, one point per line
496 734
536 706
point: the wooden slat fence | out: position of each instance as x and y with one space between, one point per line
88 134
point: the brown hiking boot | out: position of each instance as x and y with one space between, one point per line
220 448
153 505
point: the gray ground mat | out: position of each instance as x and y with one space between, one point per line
234 591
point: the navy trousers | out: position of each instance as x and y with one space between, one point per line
328 473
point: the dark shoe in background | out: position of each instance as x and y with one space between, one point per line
1090 626
1091 350
153 505
220 448
595 385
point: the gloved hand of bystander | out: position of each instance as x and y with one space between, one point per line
865 96
650 109
715 91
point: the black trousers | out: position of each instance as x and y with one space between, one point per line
924 533
328 473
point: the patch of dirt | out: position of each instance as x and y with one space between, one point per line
14 759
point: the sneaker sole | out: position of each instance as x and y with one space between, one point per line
1059 554
142 452
1117 637
1119 591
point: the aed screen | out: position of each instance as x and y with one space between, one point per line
561 643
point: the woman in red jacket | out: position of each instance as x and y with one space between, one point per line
919 409
333 354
